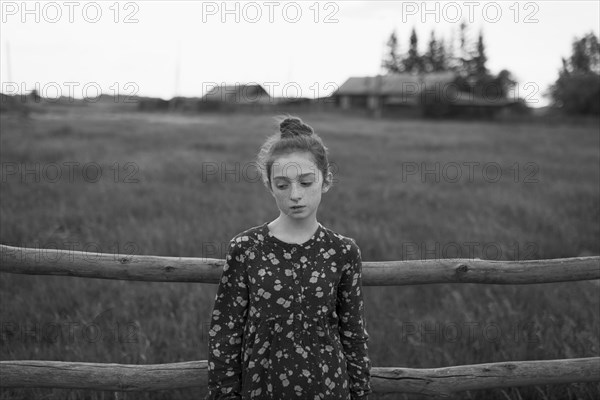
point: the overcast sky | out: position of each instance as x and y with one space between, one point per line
159 48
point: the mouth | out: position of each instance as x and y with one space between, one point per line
297 208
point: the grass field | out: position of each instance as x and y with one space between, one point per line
175 185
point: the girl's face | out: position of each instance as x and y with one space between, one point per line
297 185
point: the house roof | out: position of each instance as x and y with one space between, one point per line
394 84
411 89
239 93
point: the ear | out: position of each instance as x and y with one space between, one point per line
327 183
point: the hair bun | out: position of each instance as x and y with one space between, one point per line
291 127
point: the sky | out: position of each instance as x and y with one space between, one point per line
301 48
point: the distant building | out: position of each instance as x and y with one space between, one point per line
431 94
236 96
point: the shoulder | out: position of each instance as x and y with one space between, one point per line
247 239
347 245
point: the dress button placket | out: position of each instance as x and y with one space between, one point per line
298 291
296 275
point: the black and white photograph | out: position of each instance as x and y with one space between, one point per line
309 200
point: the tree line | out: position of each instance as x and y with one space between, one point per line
468 62
576 90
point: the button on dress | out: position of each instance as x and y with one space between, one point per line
288 320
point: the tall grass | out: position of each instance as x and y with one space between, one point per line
157 194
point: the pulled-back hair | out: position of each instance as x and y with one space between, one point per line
293 136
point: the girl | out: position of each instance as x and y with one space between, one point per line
287 322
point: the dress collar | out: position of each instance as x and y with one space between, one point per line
269 235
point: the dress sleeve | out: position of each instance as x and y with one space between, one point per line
227 328
353 334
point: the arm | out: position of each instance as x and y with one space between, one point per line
354 336
227 327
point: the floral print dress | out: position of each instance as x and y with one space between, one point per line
288 321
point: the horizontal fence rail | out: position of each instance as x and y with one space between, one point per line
34 261
428 381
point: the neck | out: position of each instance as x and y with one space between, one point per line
295 226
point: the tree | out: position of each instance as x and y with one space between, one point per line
483 84
585 57
577 89
434 59
441 60
504 82
464 64
451 59
413 61
479 59
473 74
392 62
431 54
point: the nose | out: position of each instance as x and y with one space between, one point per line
296 191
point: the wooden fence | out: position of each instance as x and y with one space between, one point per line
429 381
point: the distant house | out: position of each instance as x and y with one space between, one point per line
236 96
432 94
220 98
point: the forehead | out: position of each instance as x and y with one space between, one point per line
294 165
